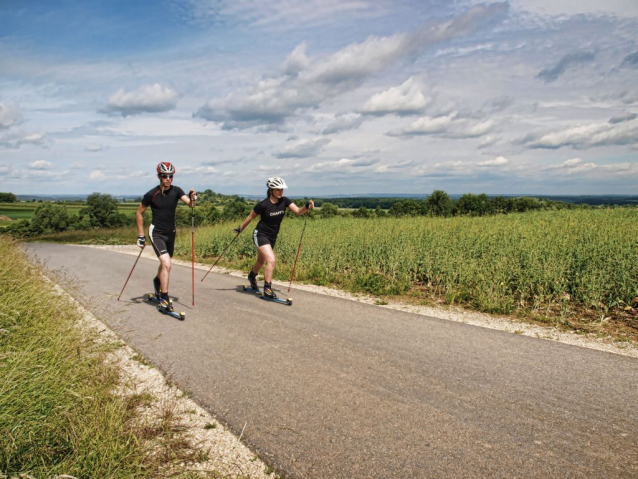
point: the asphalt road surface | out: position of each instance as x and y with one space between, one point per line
332 388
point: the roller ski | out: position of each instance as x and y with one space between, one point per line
165 306
269 295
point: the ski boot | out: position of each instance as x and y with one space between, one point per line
156 287
165 305
268 292
252 277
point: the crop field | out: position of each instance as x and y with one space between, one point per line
557 263
17 211
572 268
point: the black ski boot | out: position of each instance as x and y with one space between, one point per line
268 292
252 277
165 303
156 286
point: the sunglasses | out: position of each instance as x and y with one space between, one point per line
166 176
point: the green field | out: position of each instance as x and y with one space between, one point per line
563 264
577 268
17 211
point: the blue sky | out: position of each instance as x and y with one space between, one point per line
335 96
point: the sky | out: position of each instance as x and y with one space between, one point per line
338 97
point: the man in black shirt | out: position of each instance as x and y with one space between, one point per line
163 202
272 211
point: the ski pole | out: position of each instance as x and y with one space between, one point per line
129 275
193 251
298 250
219 257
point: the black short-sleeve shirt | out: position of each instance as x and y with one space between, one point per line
163 206
272 214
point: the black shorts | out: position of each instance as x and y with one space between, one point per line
261 239
163 242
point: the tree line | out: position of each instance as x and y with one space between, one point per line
101 211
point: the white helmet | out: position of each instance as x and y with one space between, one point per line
276 183
165 168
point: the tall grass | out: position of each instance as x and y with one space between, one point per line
531 261
58 414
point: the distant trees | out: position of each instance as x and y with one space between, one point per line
473 205
8 198
236 210
407 208
101 211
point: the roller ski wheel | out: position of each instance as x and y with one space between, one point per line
287 301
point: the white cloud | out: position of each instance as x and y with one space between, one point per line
41 165
344 122
297 61
622 8
273 100
199 170
577 167
16 139
585 136
446 127
146 99
9 116
406 98
344 165
489 140
302 149
94 148
499 161
97 175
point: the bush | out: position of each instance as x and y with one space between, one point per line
328 210
236 210
50 218
101 211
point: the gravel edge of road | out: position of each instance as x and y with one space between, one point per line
225 452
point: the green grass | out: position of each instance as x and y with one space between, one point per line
551 264
26 210
59 409
574 268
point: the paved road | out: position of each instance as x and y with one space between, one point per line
331 388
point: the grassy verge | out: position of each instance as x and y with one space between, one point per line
62 410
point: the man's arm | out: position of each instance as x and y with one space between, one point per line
190 198
139 219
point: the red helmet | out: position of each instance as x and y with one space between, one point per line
165 168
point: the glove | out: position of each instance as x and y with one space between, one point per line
193 195
141 241
308 204
237 230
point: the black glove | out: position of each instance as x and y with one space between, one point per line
141 241
237 230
